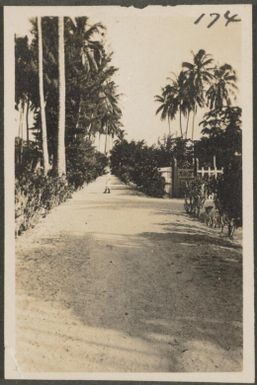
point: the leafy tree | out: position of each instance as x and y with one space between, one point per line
169 100
88 74
84 58
26 92
187 91
222 88
222 136
135 162
84 164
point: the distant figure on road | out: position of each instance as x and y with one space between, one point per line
108 183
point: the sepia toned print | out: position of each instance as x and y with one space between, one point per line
128 142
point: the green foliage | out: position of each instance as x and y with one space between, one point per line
222 136
35 195
200 83
195 194
186 92
84 164
91 108
179 148
26 77
91 94
229 190
27 155
135 162
226 189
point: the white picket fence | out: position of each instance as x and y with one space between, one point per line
211 171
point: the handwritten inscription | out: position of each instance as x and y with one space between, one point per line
216 16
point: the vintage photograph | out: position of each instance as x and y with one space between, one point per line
128 162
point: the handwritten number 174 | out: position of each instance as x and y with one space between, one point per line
215 17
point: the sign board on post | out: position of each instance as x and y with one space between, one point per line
179 178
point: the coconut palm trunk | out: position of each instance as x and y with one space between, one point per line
180 123
105 145
27 120
21 115
21 119
169 124
188 115
46 165
61 160
193 122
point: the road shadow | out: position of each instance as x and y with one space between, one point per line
168 288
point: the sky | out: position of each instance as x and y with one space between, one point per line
148 46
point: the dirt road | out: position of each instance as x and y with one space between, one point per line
123 282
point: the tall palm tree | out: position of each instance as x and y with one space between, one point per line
185 101
22 80
61 158
86 59
46 165
169 100
223 88
198 74
111 113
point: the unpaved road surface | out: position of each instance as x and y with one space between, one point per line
122 282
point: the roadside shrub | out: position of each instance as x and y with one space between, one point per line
35 195
195 195
229 190
84 164
27 155
135 162
153 184
225 208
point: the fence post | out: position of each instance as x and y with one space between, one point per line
214 162
196 166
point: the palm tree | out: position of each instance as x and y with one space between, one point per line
169 100
26 82
198 74
111 111
61 159
83 36
185 101
163 109
223 87
85 59
22 72
46 165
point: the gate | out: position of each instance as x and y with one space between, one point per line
166 173
176 177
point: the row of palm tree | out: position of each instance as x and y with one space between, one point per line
200 84
76 94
